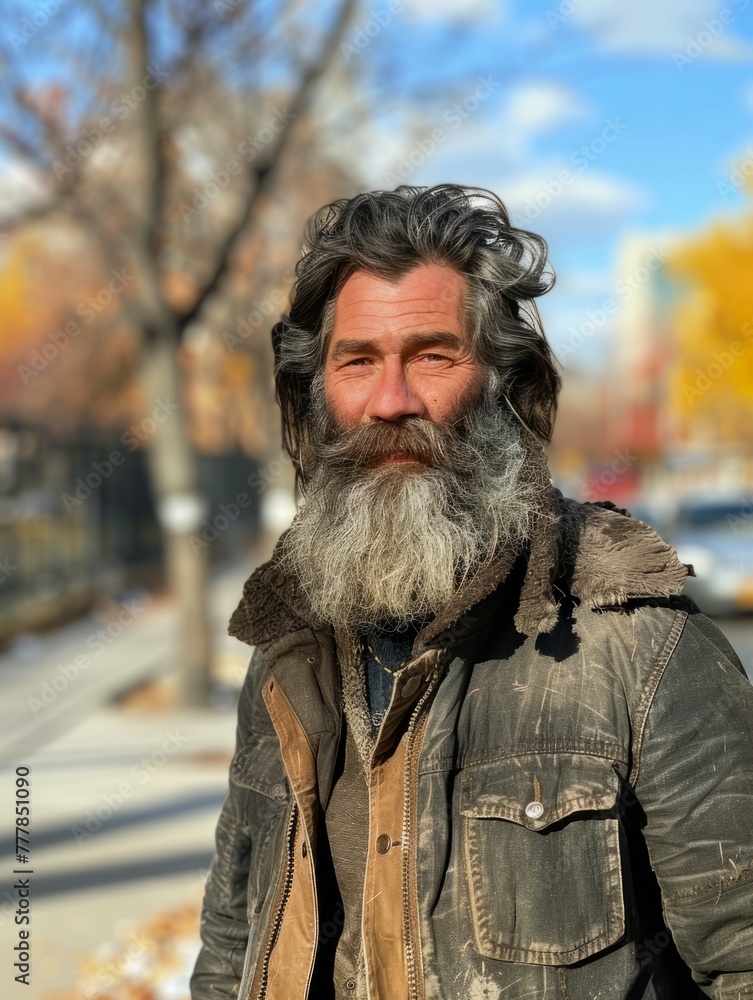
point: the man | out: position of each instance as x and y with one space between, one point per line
485 749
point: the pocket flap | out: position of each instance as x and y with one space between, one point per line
258 766
536 790
541 835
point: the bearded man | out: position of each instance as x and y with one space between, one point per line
485 748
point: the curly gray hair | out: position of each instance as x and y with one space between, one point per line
390 232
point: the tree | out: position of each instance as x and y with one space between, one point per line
712 382
120 147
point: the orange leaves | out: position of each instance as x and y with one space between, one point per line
23 309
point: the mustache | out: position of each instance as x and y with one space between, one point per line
439 445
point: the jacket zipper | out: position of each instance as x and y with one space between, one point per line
286 887
415 734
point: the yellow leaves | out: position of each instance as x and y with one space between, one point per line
713 379
23 310
720 265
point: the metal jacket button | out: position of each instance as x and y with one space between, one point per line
350 984
411 686
534 810
383 843
279 793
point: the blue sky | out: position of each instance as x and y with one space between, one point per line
671 83
659 92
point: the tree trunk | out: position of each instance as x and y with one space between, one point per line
180 510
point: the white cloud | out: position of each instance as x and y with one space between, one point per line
479 140
589 196
659 26
504 141
451 10
379 145
538 106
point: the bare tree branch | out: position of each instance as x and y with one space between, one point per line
149 136
263 173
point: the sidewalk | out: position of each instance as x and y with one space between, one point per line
124 799
50 683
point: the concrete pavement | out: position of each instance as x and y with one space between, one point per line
124 798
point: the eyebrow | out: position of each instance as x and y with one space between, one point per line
438 338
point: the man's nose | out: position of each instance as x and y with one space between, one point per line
392 396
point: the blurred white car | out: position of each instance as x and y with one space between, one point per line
716 536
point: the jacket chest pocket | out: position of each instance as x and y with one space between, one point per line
541 842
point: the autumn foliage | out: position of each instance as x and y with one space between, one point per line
712 380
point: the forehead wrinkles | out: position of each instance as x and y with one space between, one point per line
431 287
427 295
373 306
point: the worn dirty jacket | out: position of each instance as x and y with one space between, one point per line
560 795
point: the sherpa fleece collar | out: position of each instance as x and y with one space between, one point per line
602 554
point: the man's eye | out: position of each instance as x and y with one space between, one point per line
358 361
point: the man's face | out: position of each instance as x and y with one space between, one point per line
418 476
400 349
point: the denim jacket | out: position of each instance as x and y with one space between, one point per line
560 794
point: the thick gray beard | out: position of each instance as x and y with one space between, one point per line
396 542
